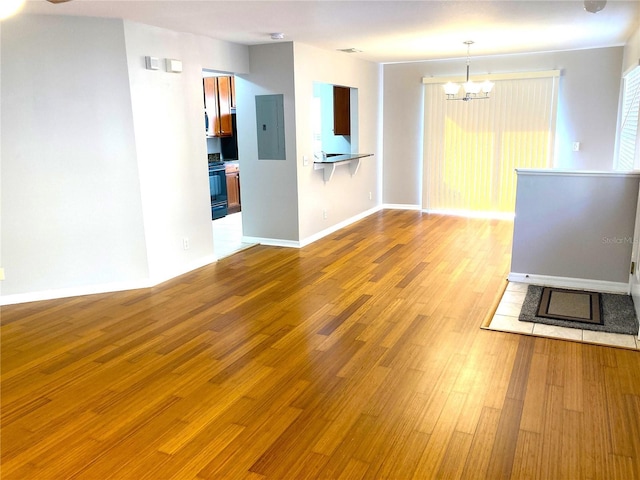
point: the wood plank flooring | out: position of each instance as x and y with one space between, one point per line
359 356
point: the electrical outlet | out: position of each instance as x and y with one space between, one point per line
324 214
576 146
185 243
370 196
305 160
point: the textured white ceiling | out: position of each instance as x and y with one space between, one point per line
386 31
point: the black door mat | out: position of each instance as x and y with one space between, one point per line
570 305
617 313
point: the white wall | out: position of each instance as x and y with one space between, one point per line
104 168
345 196
574 225
282 200
632 51
71 208
268 187
168 116
221 56
587 110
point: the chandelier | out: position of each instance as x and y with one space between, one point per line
472 90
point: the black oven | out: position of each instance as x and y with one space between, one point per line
218 189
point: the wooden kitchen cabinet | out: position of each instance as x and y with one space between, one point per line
233 187
217 104
233 91
210 103
341 110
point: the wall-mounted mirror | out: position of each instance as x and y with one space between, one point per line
335 119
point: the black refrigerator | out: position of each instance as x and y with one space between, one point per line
229 145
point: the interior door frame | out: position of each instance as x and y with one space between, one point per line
634 278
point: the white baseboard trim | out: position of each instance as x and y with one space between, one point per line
276 242
401 206
334 228
472 214
79 291
16 298
168 275
571 283
273 242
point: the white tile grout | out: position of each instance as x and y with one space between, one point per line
227 235
512 300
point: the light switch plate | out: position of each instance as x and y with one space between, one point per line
152 63
174 66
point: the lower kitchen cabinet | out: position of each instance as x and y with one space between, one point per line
232 171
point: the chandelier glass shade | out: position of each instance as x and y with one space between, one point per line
472 90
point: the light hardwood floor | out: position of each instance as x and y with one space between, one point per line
359 356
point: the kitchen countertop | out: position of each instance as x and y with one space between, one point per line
337 158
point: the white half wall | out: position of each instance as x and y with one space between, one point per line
583 115
71 205
576 225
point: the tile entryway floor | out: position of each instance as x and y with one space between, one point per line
227 235
505 319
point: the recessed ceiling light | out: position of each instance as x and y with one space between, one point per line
277 36
349 50
10 7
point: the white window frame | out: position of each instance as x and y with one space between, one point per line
629 120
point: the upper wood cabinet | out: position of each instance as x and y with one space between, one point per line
341 110
224 101
217 103
210 103
233 92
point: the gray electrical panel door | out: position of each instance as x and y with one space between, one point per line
270 127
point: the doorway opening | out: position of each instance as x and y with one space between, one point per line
227 235
219 99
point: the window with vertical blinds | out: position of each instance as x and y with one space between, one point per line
471 149
627 157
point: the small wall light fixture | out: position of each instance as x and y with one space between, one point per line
173 65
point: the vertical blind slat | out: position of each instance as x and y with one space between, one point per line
471 149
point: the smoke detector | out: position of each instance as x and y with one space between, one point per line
594 6
349 50
277 36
